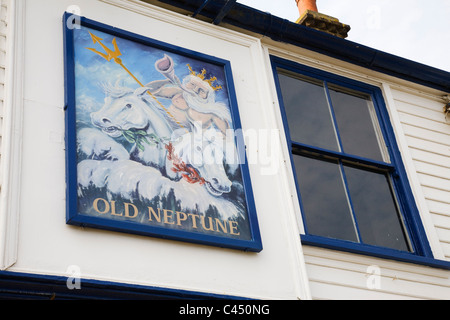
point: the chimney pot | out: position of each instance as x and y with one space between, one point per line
310 17
304 5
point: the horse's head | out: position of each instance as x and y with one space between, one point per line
212 166
205 152
123 110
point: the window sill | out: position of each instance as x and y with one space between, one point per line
357 248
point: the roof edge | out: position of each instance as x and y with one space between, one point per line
282 30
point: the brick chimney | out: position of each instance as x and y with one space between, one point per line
310 17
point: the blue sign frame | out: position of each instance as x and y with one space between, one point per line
142 118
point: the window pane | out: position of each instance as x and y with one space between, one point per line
356 125
325 203
308 113
375 209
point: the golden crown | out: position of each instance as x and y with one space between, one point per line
202 76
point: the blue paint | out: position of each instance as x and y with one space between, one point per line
366 250
17 285
73 215
70 116
200 8
224 11
422 253
344 156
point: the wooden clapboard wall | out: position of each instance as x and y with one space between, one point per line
3 31
427 133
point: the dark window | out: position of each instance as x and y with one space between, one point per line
312 124
346 179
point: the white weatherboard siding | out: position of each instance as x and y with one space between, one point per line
284 269
337 275
3 35
10 128
428 136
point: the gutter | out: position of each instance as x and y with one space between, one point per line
282 30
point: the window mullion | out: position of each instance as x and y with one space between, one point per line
350 203
337 155
333 116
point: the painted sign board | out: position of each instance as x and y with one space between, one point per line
153 140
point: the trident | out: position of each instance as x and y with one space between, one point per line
110 55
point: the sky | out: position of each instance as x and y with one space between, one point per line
93 71
417 30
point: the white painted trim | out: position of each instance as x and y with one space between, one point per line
348 70
12 135
322 62
291 208
185 22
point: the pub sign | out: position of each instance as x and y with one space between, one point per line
153 140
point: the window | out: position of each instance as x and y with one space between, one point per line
351 184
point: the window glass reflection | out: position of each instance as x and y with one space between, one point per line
308 113
356 125
325 203
375 209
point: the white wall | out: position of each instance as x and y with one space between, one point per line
46 245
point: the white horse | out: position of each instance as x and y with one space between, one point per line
207 151
134 115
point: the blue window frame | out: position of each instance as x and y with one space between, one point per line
352 186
